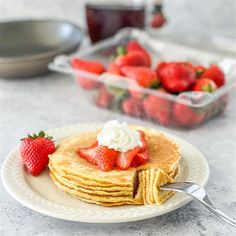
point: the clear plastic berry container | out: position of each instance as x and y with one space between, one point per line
109 91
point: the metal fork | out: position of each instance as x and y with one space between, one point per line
200 194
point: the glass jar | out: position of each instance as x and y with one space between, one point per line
106 17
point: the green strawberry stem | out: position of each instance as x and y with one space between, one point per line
207 88
41 134
155 84
121 51
199 73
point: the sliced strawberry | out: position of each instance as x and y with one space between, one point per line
106 158
88 154
133 45
143 140
95 144
125 159
134 163
141 158
102 156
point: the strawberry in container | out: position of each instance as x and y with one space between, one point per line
215 73
104 98
176 77
93 67
154 93
133 62
158 108
210 80
133 106
186 116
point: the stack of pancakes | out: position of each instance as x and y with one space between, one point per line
138 185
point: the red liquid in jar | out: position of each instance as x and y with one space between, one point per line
105 21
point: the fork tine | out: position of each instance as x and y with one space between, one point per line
181 186
173 186
178 185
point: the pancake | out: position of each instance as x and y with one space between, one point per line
73 193
86 182
67 160
108 200
96 191
151 183
164 153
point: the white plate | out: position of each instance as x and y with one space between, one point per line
41 195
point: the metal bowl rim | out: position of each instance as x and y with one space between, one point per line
43 55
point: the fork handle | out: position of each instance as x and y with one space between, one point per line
210 206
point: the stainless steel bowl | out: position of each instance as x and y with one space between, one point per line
26 47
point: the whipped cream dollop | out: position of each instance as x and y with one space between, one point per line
119 136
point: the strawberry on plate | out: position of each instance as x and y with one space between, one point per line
106 158
135 157
216 74
187 116
101 156
144 76
205 85
158 108
176 76
143 141
143 155
34 151
141 158
125 159
93 67
89 153
134 45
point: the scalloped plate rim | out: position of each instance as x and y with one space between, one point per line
83 127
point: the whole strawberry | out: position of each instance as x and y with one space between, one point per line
34 151
214 73
176 77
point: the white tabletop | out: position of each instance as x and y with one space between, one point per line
53 100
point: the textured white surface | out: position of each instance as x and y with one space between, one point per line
53 100
40 194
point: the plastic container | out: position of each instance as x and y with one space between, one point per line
188 109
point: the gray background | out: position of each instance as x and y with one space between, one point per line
53 100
